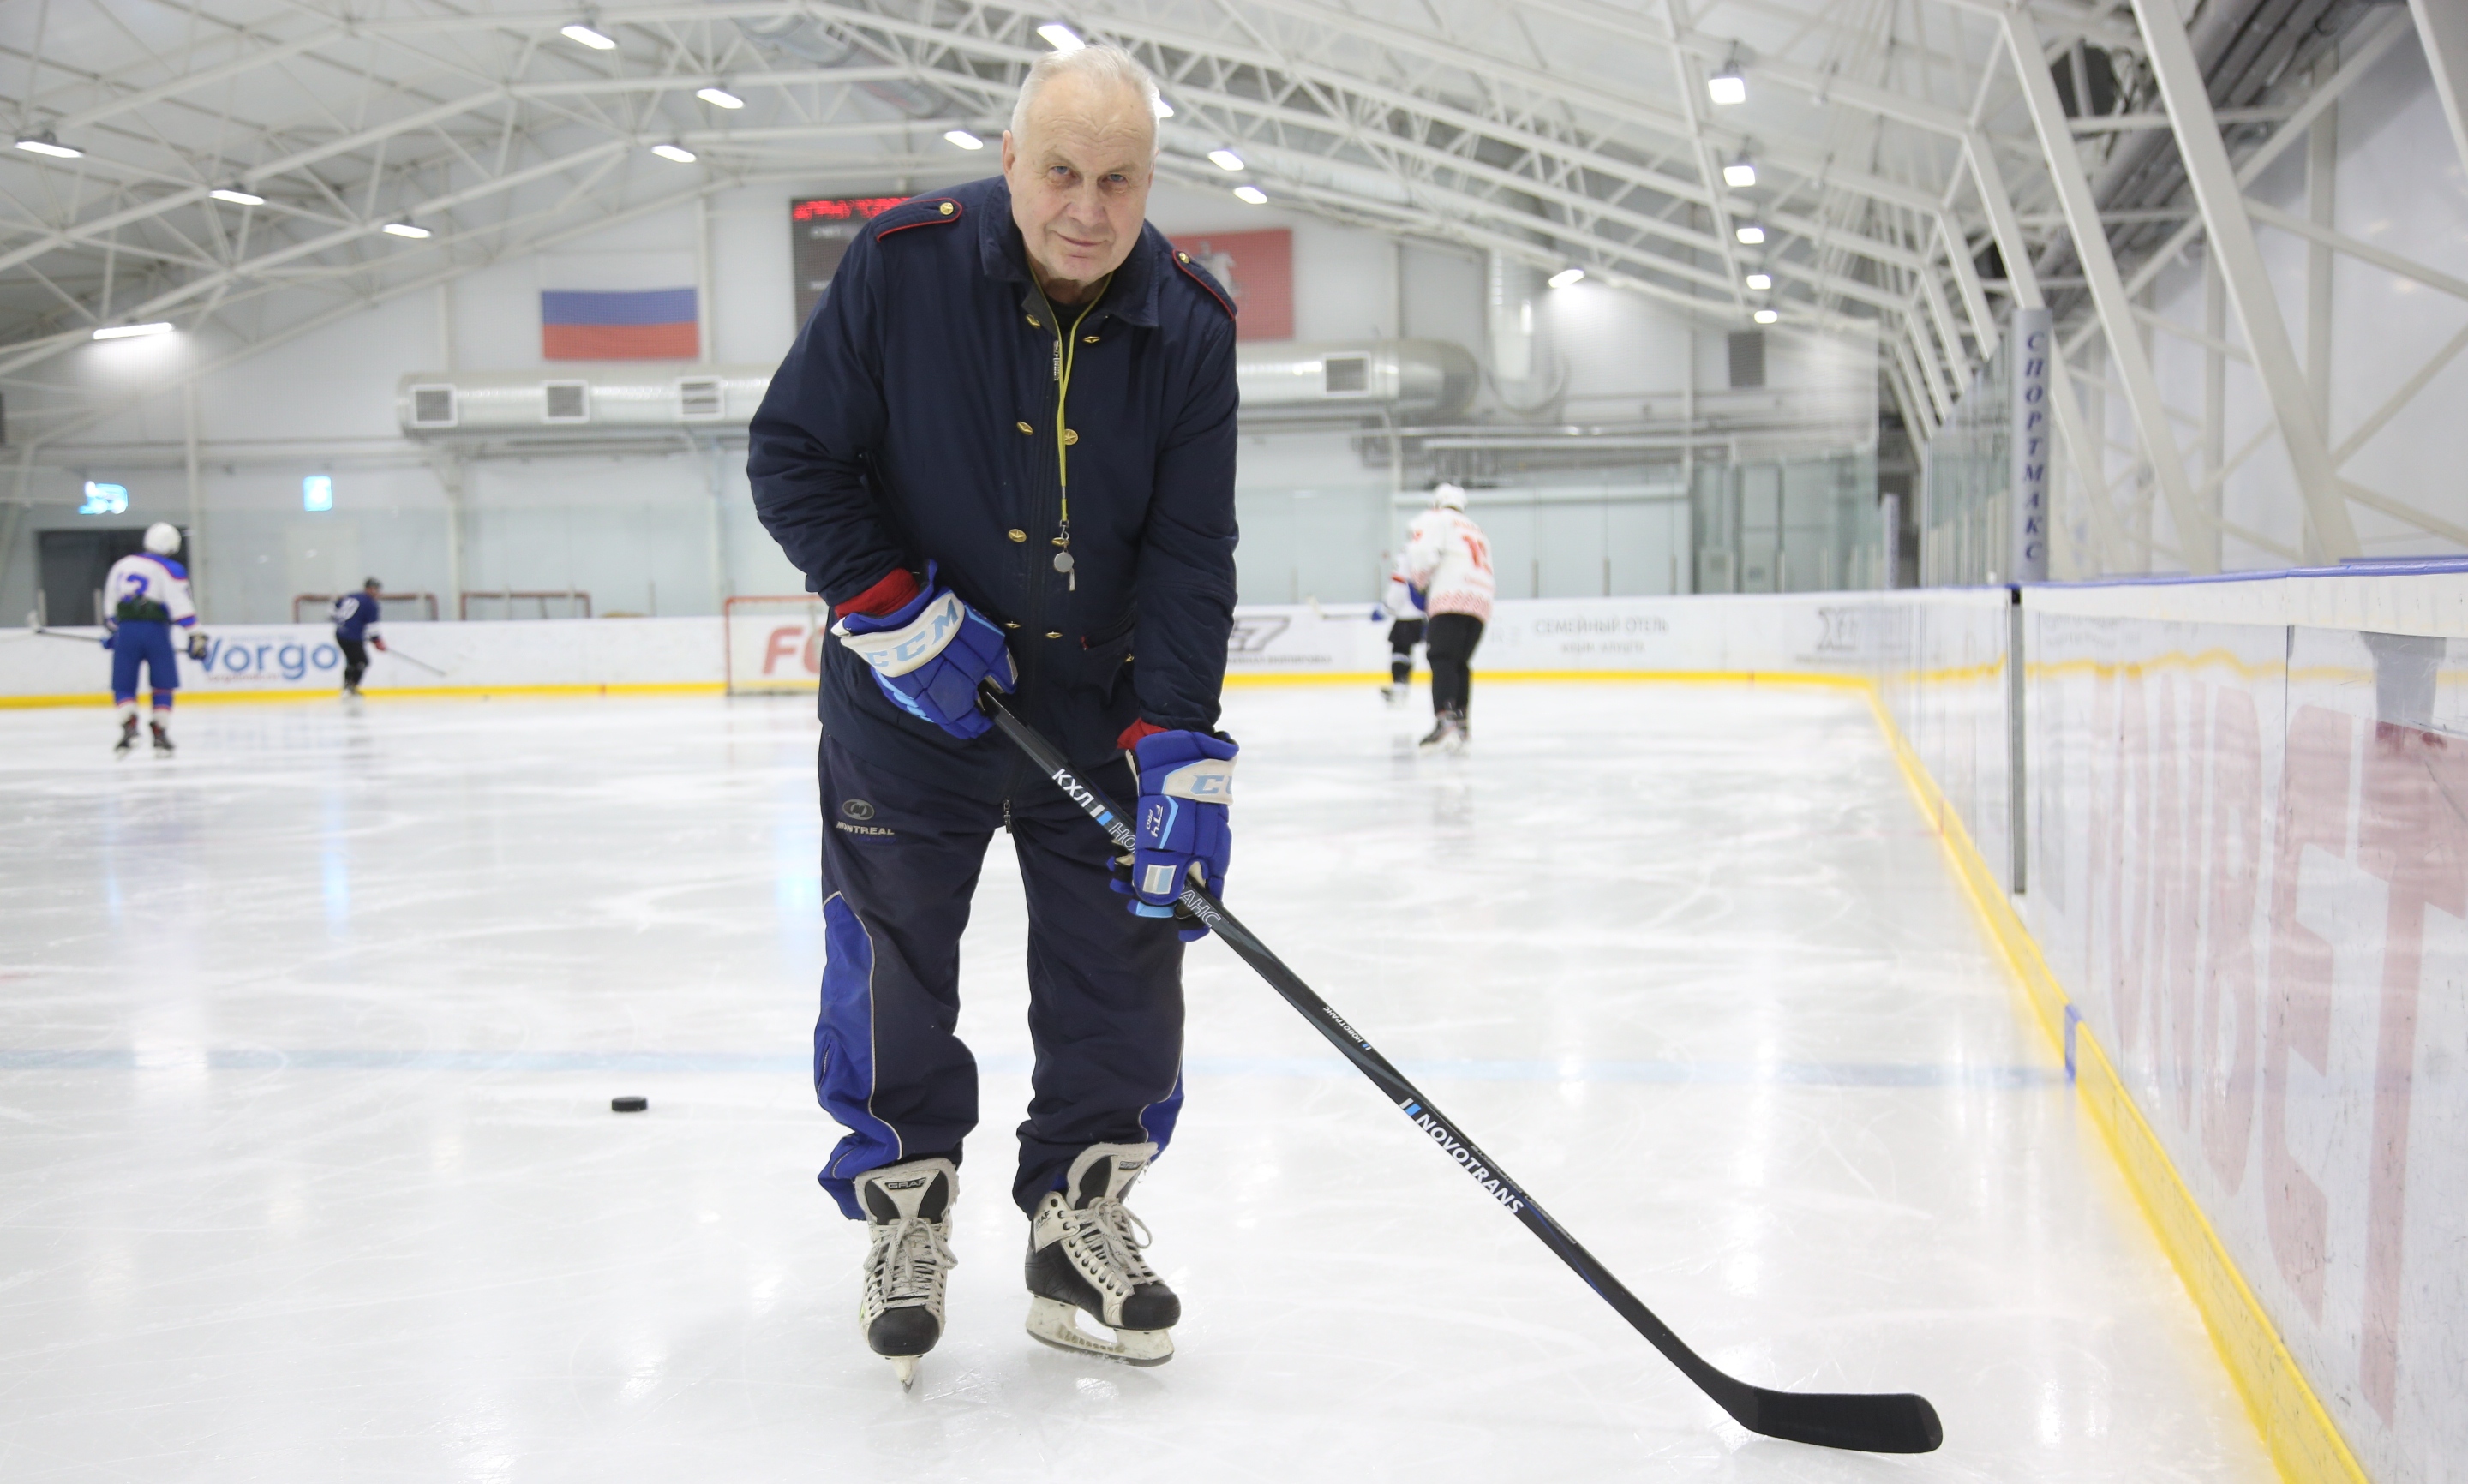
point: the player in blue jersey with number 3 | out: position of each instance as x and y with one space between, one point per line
145 598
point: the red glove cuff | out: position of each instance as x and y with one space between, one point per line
888 596
1133 734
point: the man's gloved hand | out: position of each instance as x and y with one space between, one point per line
1421 600
196 645
377 642
929 654
1186 780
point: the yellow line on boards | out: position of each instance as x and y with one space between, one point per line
1253 679
205 698
2303 1440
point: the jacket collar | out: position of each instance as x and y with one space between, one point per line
1131 297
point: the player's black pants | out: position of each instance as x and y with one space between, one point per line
1452 640
1402 635
1104 986
356 661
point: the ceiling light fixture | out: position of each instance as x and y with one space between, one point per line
1061 37
1224 159
1765 317
964 138
406 229
677 153
1565 277
160 326
45 144
1251 195
236 197
719 96
1163 110
1741 173
1750 234
579 32
1760 282
1727 87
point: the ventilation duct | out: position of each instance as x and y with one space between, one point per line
1350 378
1408 379
628 397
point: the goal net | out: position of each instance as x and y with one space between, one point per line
775 644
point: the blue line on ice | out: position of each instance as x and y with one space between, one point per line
1799 1074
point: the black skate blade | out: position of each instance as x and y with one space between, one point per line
1885 1423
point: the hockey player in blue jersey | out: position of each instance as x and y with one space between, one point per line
145 598
353 615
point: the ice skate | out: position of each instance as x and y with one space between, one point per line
1447 733
900 1309
1396 694
162 739
127 737
1083 1255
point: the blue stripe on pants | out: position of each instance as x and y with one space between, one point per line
844 1046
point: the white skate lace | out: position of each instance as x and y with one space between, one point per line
907 1263
1115 1238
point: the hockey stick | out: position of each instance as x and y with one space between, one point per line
407 659
1871 1423
62 634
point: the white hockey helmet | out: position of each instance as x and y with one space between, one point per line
162 538
1448 497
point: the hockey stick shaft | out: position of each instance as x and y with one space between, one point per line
1866 1422
407 659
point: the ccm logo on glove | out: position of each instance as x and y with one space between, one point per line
929 655
901 650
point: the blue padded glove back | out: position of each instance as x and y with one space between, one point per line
929 655
1186 782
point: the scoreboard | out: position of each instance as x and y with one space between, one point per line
819 232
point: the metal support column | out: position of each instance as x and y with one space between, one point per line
2229 233
2107 286
194 556
2443 26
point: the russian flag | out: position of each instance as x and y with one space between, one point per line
645 324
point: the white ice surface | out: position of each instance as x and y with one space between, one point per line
307 1172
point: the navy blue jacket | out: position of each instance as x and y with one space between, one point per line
916 418
353 613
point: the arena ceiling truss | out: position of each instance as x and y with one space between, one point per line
251 169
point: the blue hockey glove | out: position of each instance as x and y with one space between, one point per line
929 655
1421 600
1186 780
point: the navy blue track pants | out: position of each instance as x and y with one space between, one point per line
136 642
900 861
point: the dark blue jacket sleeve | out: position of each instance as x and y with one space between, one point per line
1186 572
808 441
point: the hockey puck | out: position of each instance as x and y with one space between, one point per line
629 1104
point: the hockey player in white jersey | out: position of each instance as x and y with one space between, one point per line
145 598
1449 559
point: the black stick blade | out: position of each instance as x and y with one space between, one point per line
1898 1423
